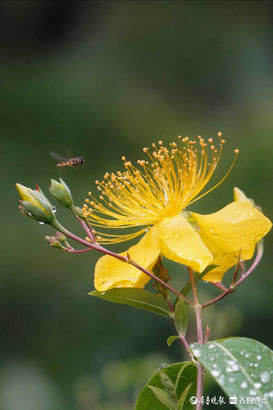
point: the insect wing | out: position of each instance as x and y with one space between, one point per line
58 157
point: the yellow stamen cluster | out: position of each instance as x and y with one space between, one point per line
161 186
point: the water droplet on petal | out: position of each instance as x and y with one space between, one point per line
176 235
243 237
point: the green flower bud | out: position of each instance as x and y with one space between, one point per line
35 204
58 241
61 193
79 212
52 241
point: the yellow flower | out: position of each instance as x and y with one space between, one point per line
153 197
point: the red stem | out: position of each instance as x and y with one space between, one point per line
78 250
243 277
87 229
199 327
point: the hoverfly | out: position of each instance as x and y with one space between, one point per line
67 162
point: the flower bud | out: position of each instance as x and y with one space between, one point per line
35 204
79 212
52 241
58 241
61 193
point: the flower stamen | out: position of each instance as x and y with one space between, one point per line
161 186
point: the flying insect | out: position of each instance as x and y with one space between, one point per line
67 162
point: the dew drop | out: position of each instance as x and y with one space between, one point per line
54 209
252 235
258 238
257 385
243 385
252 392
211 346
259 357
196 352
41 223
265 377
176 235
243 237
234 368
215 373
221 379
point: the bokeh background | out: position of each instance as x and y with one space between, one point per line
101 79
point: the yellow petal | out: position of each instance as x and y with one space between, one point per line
237 226
223 260
231 231
113 273
26 195
241 196
180 243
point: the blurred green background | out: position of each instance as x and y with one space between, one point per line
102 79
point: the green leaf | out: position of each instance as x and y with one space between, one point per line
242 367
163 397
181 317
181 402
178 385
171 339
138 298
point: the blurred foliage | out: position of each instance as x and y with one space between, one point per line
101 79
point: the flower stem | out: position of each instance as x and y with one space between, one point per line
87 229
243 277
71 250
187 347
199 328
